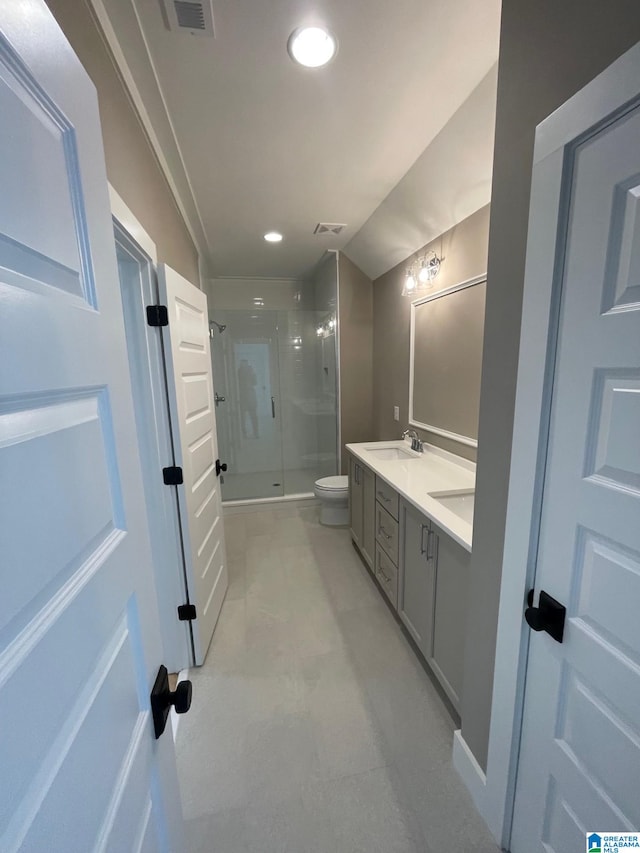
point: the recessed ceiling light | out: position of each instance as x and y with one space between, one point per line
273 237
311 46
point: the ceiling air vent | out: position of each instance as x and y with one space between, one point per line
330 228
189 16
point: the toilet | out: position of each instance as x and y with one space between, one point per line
333 494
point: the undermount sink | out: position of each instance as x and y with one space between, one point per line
459 501
389 453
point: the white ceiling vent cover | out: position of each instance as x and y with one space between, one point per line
189 16
332 228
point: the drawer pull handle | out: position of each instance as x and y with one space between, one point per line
428 550
384 532
384 497
386 579
430 539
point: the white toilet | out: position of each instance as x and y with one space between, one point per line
333 494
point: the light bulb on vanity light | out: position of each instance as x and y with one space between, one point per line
424 276
429 268
409 282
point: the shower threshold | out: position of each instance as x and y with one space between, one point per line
279 502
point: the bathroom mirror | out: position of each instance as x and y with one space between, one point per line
446 361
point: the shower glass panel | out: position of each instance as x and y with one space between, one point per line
247 386
277 425
302 401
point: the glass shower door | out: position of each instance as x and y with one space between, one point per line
246 375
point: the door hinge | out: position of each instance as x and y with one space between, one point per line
157 315
172 476
187 612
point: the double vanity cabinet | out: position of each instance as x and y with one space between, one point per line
420 565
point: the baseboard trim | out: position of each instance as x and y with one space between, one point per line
285 502
470 771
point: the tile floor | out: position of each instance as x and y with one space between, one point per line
313 727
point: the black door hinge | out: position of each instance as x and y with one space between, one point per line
187 612
157 315
172 476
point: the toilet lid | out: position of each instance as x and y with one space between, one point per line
333 484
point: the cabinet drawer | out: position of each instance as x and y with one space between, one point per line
387 533
387 497
387 575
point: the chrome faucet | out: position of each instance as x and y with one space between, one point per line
416 444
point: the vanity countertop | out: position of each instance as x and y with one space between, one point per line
415 477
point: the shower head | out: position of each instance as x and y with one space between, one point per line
219 326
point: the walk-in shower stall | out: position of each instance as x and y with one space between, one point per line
273 349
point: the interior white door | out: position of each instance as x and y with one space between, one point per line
138 288
79 639
579 767
193 422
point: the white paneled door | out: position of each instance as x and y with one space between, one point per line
79 636
193 423
579 766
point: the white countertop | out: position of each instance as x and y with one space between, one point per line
435 470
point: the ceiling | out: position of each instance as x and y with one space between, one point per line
255 143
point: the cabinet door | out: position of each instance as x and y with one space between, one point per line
452 581
355 501
418 557
368 516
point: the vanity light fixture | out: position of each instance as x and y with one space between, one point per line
312 47
273 237
421 273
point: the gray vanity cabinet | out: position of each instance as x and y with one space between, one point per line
362 500
452 581
368 546
417 582
423 572
356 500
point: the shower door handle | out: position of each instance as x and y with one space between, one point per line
273 407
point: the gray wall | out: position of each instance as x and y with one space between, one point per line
548 51
465 251
356 350
132 168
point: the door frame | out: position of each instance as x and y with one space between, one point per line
130 235
606 98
